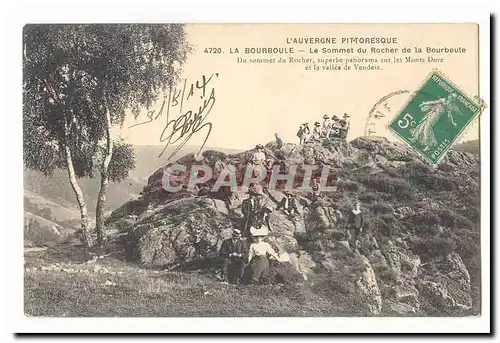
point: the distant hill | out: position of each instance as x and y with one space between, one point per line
469 146
54 191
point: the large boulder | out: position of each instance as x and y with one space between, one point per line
179 232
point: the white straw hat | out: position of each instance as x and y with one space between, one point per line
263 231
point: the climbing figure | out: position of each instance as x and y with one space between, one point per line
255 209
231 257
258 264
355 225
289 204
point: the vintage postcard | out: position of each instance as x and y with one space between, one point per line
279 170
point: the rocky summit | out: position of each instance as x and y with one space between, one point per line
419 252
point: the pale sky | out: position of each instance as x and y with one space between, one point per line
253 101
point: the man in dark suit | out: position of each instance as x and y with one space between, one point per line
232 257
255 209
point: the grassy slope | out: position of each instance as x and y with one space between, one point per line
140 292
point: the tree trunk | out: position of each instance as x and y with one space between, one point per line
101 198
87 239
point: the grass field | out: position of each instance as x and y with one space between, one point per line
59 283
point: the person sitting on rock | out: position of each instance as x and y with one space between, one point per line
232 254
258 264
255 209
355 225
259 157
289 204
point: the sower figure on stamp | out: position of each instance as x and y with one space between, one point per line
232 253
423 132
355 225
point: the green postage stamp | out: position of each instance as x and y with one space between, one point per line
434 117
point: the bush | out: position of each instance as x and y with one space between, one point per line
399 187
425 218
381 208
435 246
369 197
348 185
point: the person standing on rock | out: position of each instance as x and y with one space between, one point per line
258 264
232 252
255 209
317 133
303 133
355 225
325 128
279 142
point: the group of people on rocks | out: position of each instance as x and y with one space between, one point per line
244 258
331 127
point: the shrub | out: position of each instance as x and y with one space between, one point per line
446 217
383 183
435 246
381 208
425 218
369 197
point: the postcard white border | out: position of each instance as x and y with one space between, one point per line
21 12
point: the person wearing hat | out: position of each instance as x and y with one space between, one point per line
289 204
303 133
259 157
279 141
334 128
258 264
326 125
232 252
317 132
355 225
346 118
255 209
343 128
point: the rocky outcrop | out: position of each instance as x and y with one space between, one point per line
407 264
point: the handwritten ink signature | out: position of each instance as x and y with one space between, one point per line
191 121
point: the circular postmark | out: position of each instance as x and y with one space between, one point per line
384 111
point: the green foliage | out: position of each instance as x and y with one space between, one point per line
73 74
122 161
